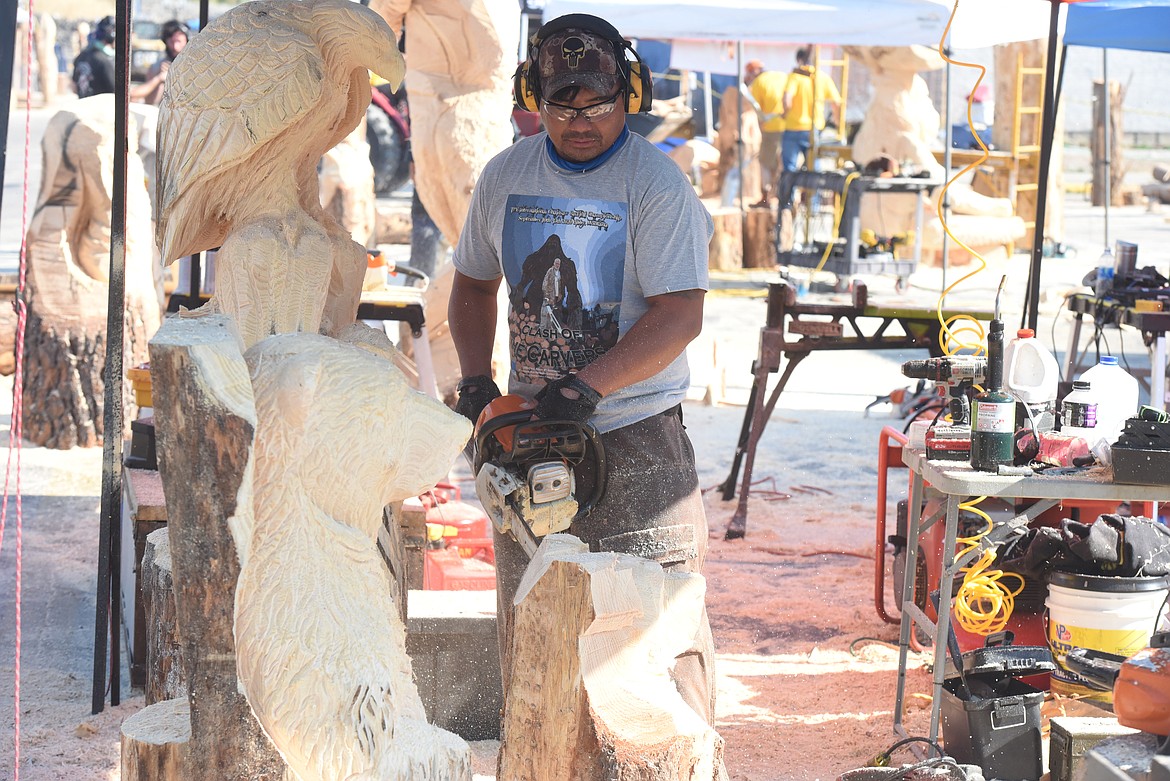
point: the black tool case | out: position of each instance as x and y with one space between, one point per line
1141 456
989 717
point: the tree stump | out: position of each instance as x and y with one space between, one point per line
164 670
68 268
725 252
591 696
760 242
156 742
732 126
1107 111
205 424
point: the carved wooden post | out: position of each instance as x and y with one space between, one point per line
205 425
1107 110
68 250
590 695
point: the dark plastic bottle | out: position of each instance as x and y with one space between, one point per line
993 415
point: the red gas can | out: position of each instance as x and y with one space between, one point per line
473 529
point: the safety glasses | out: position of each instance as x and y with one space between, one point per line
591 113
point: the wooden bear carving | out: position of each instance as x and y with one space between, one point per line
320 648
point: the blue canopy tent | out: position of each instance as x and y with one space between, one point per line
1139 25
1119 24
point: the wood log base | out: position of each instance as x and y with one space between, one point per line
590 694
164 673
63 385
155 742
205 422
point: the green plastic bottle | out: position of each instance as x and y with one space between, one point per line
993 414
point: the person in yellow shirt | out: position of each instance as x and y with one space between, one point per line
805 96
767 91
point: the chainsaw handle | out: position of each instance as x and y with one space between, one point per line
491 426
601 472
524 419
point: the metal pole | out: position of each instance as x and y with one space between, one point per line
522 55
739 150
810 159
945 203
8 12
1108 139
1048 128
708 106
108 623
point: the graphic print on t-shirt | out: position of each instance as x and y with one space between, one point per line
564 259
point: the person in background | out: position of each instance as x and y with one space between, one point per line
174 36
767 91
93 70
622 225
805 96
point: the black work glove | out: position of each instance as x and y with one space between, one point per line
475 393
551 404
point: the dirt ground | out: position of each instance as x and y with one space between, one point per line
806 668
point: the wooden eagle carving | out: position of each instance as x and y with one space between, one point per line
250 106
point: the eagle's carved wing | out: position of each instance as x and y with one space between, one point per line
245 90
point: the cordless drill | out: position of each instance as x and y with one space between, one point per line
956 373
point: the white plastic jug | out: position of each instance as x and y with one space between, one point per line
1117 396
1032 374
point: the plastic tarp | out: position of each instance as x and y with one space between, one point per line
1141 25
978 23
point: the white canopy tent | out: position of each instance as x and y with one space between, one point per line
715 23
978 23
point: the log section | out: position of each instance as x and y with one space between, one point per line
591 696
205 423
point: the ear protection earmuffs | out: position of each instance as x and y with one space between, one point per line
636 78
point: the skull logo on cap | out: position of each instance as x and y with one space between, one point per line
573 49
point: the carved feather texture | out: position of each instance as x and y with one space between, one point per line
263 91
320 650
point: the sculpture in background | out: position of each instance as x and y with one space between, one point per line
251 105
319 646
347 186
68 274
901 121
460 56
902 124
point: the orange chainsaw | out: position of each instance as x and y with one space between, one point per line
524 470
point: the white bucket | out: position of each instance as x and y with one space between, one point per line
1110 614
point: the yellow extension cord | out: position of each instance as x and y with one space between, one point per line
983 603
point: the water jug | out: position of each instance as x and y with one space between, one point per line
1032 374
1117 396
1078 413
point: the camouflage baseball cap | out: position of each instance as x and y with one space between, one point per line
577 58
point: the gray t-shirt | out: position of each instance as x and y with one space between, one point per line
581 252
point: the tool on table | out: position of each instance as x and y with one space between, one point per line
1153 414
994 423
957 374
524 470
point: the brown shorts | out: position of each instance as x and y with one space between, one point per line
770 157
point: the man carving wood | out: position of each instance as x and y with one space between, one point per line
638 236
